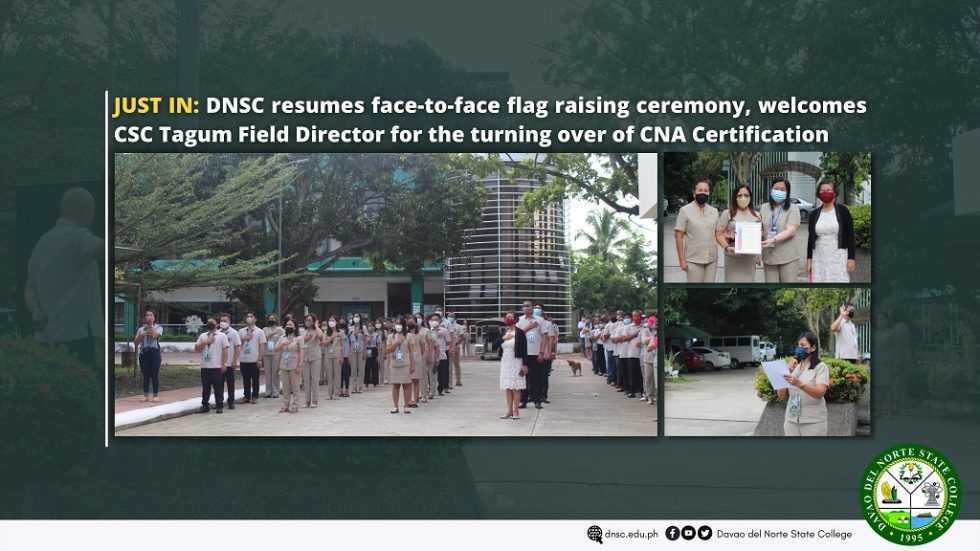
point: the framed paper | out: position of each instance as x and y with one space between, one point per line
748 238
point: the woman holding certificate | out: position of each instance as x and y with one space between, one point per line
830 243
780 222
694 234
741 257
809 378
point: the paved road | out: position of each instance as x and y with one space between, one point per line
719 403
580 406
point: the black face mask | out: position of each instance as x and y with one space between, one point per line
290 330
850 313
701 198
212 326
272 322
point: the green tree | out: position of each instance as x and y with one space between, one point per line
850 170
604 234
682 169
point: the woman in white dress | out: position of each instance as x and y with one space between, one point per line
513 343
831 243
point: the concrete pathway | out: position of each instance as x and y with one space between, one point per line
580 406
719 403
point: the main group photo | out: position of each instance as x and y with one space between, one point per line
384 295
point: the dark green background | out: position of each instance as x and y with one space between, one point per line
916 63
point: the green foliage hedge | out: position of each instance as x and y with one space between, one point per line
862 225
847 382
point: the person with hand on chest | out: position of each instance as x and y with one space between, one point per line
272 332
252 356
290 366
213 346
234 356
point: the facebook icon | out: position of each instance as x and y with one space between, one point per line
673 533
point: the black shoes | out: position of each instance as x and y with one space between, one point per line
631 395
204 409
522 406
545 401
538 405
219 410
231 404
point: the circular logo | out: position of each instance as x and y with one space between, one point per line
910 494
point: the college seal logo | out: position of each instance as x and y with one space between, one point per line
910 494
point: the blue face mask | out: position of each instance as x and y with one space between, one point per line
537 311
801 353
777 195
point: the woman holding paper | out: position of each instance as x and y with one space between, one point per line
809 378
830 243
739 268
780 222
694 236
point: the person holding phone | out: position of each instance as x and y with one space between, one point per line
213 346
846 344
809 379
694 235
355 339
147 342
290 367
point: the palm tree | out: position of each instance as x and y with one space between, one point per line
605 235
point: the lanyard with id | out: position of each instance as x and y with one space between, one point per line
207 354
774 225
399 357
793 407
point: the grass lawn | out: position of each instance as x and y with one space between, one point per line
172 377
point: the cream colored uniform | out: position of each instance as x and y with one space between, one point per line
812 417
311 364
333 354
290 371
700 248
271 360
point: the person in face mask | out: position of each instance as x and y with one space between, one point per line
831 243
310 336
548 348
453 352
513 346
332 346
846 345
780 222
443 341
537 333
372 342
252 356
272 332
421 382
401 347
357 349
148 343
383 327
629 338
809 379
739 268
649 342
234 356
290 367
694 236
345 361
213 346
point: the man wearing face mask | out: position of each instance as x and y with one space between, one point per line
618 361
548 347
630 354
442 342
213 346
234 353
253 349
272 332
421 387
455 332
536 333
846 345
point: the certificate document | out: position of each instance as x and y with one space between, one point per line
775 371
748 238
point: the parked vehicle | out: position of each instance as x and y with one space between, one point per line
744 349
805 207
688 360
767 351
714 359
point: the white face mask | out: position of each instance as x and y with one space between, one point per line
357 320
332 323
377 326
250 320
433 324
418 321
224 325
398 328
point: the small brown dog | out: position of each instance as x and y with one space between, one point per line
576 368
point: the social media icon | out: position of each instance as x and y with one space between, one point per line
673 533
595 533
705 532
688 532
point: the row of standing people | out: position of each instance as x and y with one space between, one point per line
700 231
623 349
346 358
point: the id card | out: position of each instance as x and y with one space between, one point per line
357 346
369 353
530 337
207 354
793 407
247 347
270 346
399 357
772 236
286 356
